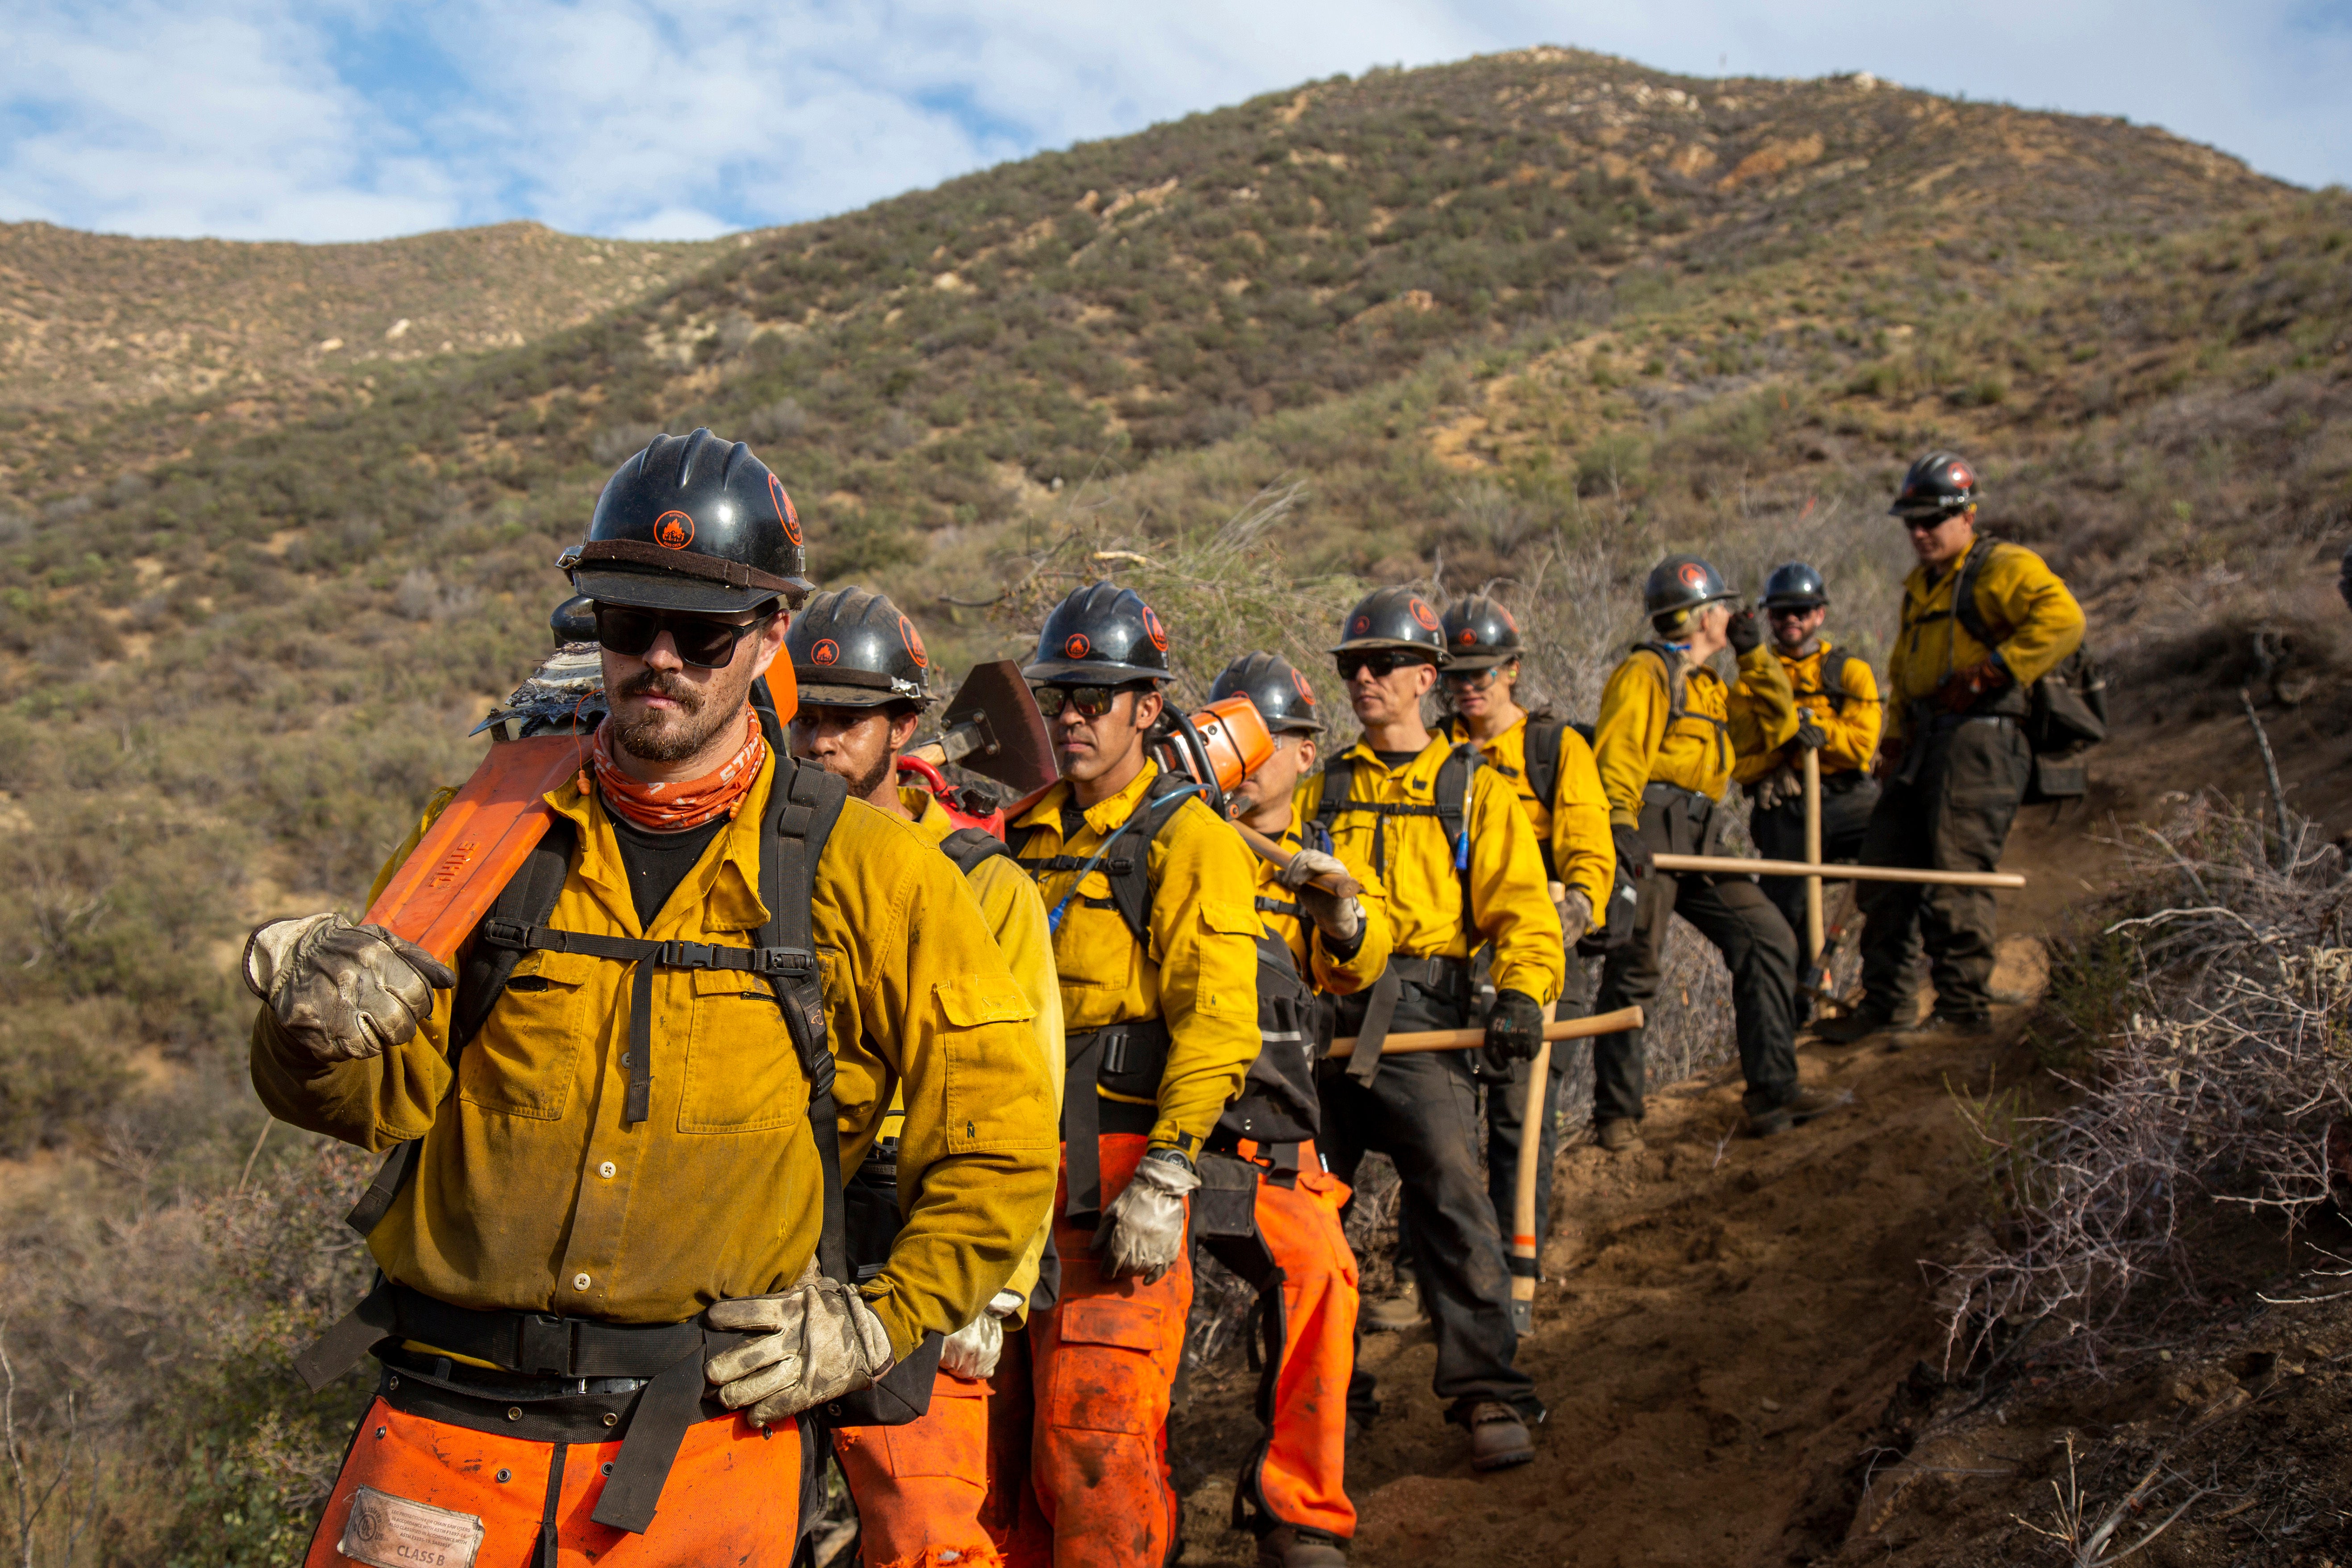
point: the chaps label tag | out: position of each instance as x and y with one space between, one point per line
387 1532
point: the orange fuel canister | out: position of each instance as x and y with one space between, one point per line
1221 744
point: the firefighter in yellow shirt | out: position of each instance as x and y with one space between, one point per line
1837 720
613 1278
1955 760
1149 895
1291 1490
1458 864
1550 768
1670 734
864 681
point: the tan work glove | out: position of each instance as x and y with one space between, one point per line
1340 919
1147 1219
1777 787
1575 916
341 992
973 1350
821 1340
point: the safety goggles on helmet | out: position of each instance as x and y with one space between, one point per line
1091 701
1381 662
700 641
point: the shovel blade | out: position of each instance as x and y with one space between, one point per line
1018 751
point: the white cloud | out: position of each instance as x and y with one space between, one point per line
683 118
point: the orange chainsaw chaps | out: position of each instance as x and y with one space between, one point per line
732 1495
477 843
1011 1514
1107 1355
919 1487
1297 1473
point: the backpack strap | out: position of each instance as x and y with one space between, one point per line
1454 777
1339 782
1544 739
968 846
482 975
1964 591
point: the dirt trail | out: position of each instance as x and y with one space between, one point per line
1724 1320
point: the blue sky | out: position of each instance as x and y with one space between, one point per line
330 120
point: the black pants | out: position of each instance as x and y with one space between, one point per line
1779 834
1421 1111
1953 816
1733 913
1506 1113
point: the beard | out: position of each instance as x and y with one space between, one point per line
862 788
653 736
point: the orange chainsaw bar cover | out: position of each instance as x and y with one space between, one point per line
476 844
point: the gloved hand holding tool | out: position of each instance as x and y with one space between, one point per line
1575 916
341 992
1744 631
1146 1221
1809 735
1514 1029
973 1350
820 1342
1340 919
1963 688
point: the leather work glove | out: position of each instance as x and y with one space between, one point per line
1809 735
973 1350
1963 688
820 1341
1340 919
1514 1029
1889 761
341 992
1575 916
1633 851
1146 1221
1776 788
1745 631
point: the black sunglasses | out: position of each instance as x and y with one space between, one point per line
1091 701
700 641
1790 612
1382 663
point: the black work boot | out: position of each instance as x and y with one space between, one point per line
1288 1546
1855 1026
1498 1437
1395 1314
1804 1106
1942 1023
1618 1134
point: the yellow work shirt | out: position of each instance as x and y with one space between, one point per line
1850 721
1640 741
1197 973
532 1196
1510 899
1016 918
1573 823
2033 619
1309 949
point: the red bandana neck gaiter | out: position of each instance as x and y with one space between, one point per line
679 803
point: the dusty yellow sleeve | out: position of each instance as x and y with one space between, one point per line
1581 848
1345 976
1633 725
2018 589
980 1147
1511 894
1016 918
1763 707
1853 733
1205 929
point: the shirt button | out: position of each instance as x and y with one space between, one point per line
607 1170
580 1281
625 1060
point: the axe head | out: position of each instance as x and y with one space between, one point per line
1013 745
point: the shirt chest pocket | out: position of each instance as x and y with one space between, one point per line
525 1058
741 1073
1093 950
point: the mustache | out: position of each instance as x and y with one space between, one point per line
661 683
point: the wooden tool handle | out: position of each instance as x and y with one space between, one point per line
1462 1039
1836 872
1274 853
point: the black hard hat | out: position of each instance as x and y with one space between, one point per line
1394 617
692 523
851 648
1681 583
1480 634
1101 634
1938 484
1284 698
1795 586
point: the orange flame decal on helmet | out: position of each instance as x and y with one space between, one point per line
784 512
914 641
672 531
